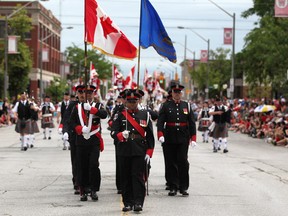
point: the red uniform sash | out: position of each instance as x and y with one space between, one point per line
135 124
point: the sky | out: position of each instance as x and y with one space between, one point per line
201 16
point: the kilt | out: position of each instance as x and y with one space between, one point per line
34 127
23 126
220 130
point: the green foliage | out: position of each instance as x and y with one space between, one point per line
76 56
264 57
56 89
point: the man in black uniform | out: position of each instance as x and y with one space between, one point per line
134 131
70 135
119 106
60 113
85 119
179 131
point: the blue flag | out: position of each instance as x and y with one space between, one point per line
153 33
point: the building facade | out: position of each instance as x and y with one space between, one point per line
45 37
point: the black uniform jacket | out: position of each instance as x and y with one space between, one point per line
176 122
76 125
135 145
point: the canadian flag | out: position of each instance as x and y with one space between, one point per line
130 77
145 75
281 8
104 35
92 71
115 74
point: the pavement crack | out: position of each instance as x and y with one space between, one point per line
50 183
4 192
20 171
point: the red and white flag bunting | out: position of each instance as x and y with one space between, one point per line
228 36
204 56
281 8
104 34
130 77
92 71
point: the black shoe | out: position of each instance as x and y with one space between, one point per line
172 192
219 148
49 137
64 148
137 208
184 192
31 146
206 141
127 208
22 148
25 148
215 150
167 188
77 192
119 191
68 147
44 138
83 197
225 150
94 196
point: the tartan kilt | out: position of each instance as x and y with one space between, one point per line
34 127
220 130
23 126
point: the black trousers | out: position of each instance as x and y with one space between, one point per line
132 171
88 172
118 177
72 140
177 165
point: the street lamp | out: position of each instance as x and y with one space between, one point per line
233 49
208 50
7 17
41 60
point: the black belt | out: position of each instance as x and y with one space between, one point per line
135 136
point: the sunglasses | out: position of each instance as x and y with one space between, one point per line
177 91
131 101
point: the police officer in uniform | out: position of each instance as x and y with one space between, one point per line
176 130
85 119
134 131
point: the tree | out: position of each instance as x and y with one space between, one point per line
56 89
19 65
264 57
76 55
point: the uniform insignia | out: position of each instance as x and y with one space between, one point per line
115 117
143 123
185 111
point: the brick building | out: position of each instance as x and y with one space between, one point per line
46 28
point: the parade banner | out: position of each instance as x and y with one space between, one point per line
204 56
281 8
228 36
45 54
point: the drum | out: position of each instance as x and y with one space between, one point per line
205 122
47 118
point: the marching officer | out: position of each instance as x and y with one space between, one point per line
70 135
85 119
60 113
176 130
134 131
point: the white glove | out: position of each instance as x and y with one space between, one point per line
147 158
162 139
65 136
87 106
125 134
85 130
193 144
60 130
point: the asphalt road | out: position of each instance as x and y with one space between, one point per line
249 180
